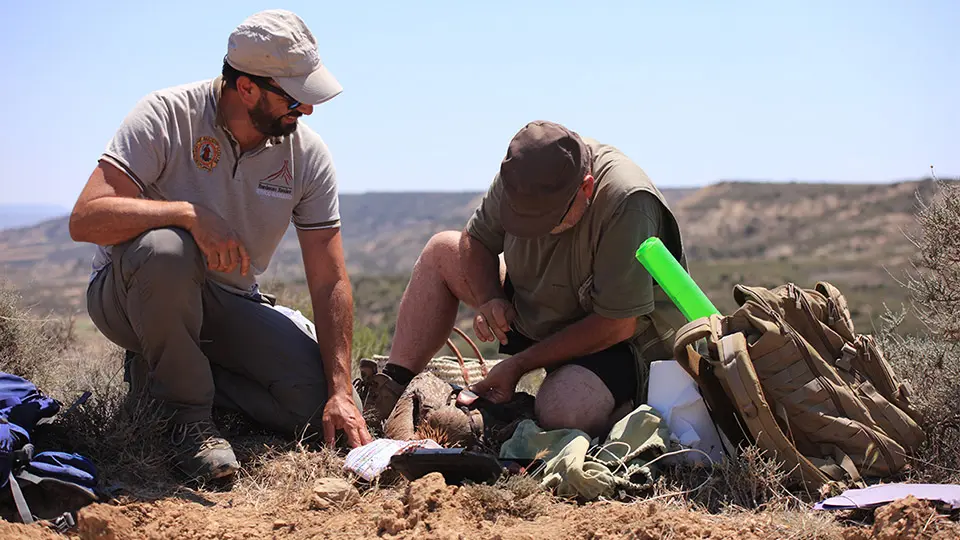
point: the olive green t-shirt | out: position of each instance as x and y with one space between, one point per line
591 268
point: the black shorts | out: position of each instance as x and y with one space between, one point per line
615 365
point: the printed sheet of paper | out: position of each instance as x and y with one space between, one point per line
370 460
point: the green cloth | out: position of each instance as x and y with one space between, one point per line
576 468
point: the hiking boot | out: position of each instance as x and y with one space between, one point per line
201 453
378 392
362 384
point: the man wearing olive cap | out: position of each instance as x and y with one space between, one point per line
567 214
188 203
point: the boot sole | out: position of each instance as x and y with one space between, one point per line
224 471
221 472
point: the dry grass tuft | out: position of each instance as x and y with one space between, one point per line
751 483
517 496
123 441
753 487
799 524
277 474
124 438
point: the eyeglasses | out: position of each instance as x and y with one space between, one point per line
293 104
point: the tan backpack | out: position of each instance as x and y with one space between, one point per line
787 372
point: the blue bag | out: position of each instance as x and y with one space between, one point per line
42 484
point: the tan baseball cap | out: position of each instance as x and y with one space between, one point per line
277 43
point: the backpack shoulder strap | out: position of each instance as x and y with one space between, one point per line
739 377
838 311
685 344
23 509
707 331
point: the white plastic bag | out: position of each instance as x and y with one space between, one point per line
674 394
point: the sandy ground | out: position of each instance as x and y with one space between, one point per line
430 509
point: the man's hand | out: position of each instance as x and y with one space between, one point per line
493 320
500 383
341 413
218 242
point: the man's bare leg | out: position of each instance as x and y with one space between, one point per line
427 313
428 308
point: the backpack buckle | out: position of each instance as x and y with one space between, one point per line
906 390
847 354
64 522
22 456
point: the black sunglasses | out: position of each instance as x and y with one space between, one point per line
569 207
293 104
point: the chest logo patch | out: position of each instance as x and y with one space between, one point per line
206 153
278 184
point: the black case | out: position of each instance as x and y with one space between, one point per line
455 464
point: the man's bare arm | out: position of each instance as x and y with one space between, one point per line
482 269
591 334
332 299
108 212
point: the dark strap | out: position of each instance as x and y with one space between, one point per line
62 523
79 401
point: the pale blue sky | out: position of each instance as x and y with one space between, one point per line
693 91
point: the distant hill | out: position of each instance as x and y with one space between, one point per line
754 232
383 234
22 215
760 220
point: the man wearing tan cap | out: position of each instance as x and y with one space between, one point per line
567 214
188 203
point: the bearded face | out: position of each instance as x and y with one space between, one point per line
270 124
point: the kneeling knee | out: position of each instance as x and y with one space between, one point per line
168 252
573 397
441 247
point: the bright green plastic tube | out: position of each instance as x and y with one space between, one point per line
674 280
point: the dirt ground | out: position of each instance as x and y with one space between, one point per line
430 509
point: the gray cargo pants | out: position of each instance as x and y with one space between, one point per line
202 344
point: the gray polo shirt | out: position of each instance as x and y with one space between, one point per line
175 147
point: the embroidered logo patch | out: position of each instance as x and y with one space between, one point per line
278 184
206 153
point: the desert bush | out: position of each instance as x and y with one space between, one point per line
931 365
930 360
29 344
46 352
935 281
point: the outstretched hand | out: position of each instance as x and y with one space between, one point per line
500 383
341 413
